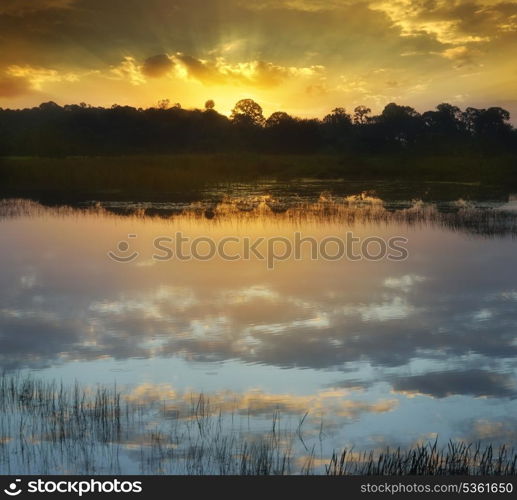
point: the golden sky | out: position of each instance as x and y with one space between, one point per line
301 56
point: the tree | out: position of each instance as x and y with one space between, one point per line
279 118
164 104
209 105
361 115
400 125
491 124
395 113
338 116
481 121
449 111
49 106
336 128
71 129
444 127
248 112
446 120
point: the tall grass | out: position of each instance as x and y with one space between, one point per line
50 428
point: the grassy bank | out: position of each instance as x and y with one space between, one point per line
141 176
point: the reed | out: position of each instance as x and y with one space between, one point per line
47 427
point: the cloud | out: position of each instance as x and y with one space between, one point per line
459 52
386 319
37 77
477 383
25 80
404 283
256 402
14 87
461 55
451 21
272 47
216 71
157 66
128 70
254 73
494 430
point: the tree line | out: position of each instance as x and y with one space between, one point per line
53 130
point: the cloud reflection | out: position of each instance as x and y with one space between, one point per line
452 302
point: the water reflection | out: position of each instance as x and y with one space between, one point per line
384 352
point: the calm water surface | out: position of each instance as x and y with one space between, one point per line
377 352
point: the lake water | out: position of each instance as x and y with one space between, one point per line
363 352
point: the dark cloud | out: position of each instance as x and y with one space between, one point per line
473 382
474 18
157 66
93 31
200 70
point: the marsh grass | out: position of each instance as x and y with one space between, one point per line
46 427
458 458
457 216
50 428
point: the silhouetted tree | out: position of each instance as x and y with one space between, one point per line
336 128
361 115
339 117
53 130
399 125
493 121
164 104
447 119
247 112
444 128
49 106
279 118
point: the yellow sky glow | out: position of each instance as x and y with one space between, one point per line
301 56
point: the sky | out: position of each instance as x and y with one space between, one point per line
305 57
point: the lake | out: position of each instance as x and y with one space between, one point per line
363 347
